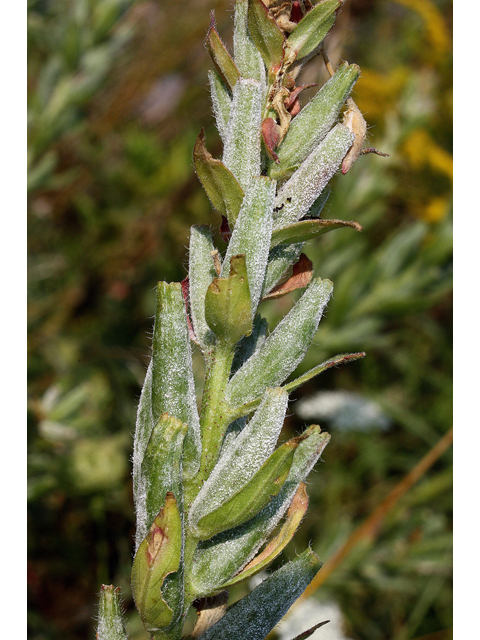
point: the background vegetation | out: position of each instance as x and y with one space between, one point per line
117 96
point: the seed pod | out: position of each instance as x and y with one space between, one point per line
228 307
158 557
356 123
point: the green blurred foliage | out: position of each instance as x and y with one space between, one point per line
117 95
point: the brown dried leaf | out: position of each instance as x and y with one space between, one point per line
301 275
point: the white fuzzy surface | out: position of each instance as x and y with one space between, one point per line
299 193
225 555
244 458
221 102
284 349
247 57
241 153
201 273
252 234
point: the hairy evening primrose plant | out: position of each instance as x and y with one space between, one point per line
216 499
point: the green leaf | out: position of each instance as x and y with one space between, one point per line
173 388
222 188
244 457
300 192
314 121
251 498
157 557
220 57
252 233
242 145
200 275
311 30
110 621
284 348
219 559
228 309
343 358
255 615
247 57
266 35
308 229
161 471
143 430
295 513
221 101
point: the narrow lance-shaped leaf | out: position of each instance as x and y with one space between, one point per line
219 559
221 101
201 274
308 229
314 121
255 615
228 309
266 35
295 513
161 472
247 408
157 557
247 57
110 620
143 430
311 30
173 388
240 463
284 348
220 57
242 146
252 233
251 498
307 183
221 186
343 358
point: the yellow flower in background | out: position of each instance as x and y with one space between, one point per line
435 210
421 150
376 93
436 30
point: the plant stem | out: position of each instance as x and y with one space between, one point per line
213 417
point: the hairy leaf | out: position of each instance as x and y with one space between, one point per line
173 388
255 615
252 234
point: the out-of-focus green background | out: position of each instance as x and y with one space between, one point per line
117 95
